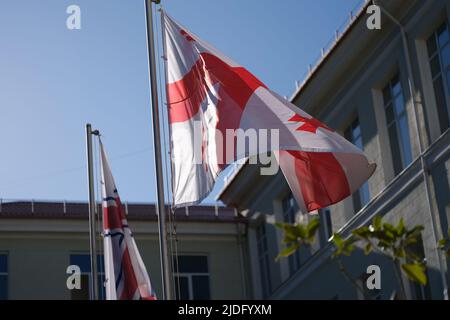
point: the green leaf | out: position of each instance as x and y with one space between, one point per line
349 249
376 223
389 228
415 272
401 227
442 243
368 248
286 252
362 232
312 227
415 231
399 252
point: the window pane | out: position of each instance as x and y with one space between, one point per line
435 66
101 287
443 34
192 264
3 287
200 287
441 104
395 149
389 114
406 144
84 262
182 287
445 56
81 260
387 94
83 292
3 263
356 131
358 142
431 45
364 194
357 201
396 86
399 105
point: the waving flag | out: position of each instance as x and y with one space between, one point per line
209 94
125 273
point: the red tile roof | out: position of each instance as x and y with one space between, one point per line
135 211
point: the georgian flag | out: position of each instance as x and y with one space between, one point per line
125 275
208 94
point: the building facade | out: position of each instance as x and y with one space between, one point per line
387 91
40 240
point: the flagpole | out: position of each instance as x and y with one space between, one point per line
160 205
92 209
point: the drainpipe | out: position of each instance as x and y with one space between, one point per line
241 257
412 91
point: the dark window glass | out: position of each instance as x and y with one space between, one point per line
441 103
84 262
200 287
353 134
83 292
435 66
390 118
326 226
192 264
438 45
192 277
3 287
3 263
3 276
263 259
421 292
397 124
290 209
442 34
182 287
395 147
431 45
445 56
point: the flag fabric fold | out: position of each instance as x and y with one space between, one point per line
126 277
209 94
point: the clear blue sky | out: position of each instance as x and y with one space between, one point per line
54 80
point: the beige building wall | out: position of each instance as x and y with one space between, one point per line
39 253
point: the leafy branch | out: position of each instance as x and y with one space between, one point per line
296 235
397 242
444 244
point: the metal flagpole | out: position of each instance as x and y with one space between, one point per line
161 209
92 209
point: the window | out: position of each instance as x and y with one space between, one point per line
84 262
326 227
420 292
263 260
362 196
397 124
369 294
290 209
192 277
3 276
438 45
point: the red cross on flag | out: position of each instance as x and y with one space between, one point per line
125 275
209 95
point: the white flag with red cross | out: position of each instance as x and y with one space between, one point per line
210 95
